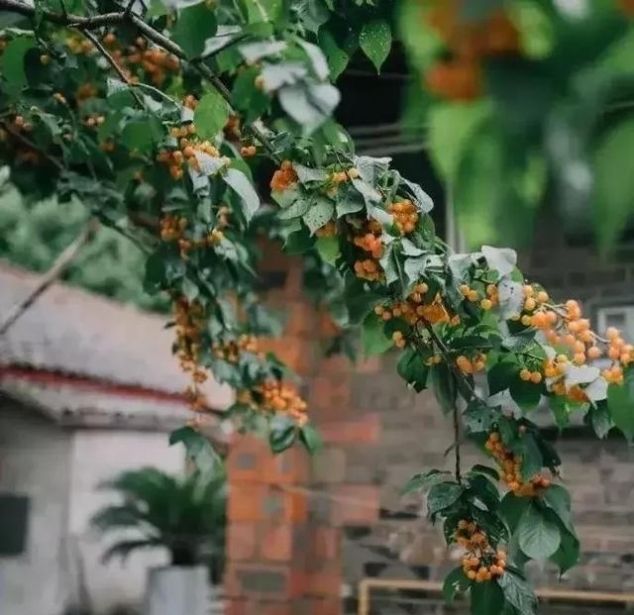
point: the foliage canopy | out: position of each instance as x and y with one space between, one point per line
165 119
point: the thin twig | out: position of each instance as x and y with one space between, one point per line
106 54
59 266
456 435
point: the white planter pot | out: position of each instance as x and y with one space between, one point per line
177 590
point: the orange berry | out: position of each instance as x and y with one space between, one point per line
594 352
536 377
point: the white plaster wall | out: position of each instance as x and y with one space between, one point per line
98 455
34 461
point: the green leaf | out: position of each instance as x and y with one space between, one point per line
424 480
375 40
337 58
486 471
525 393
320 213
531 454
210 115
328 248
567 555
241 185
12 62
538 536
512 509
486 599
282 434
501 375
198 448
484 490
518 593
138 136
621 405
614 182
195 25
310 438
558 499
441 496
373 338
479 417
413 370
456 582
600 419
309 104
444 384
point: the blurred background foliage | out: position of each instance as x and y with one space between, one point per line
527 104
32 235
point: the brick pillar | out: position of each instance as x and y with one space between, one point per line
286 512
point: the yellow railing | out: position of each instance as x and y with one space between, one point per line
567 596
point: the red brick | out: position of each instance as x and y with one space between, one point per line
355 505
294 351
235 607
336 364
325 581
300 320
285 506
324 543
289 467
324 606
241 541
365 430
247 456
246 502
277 543
329 395
264 581
269 608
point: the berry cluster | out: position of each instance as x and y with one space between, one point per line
416 307
405 215
190 322
459 77
174 229
486 301
189 149
273 396
284 177
511 466
467 365
22 152
156 63
564 327
230 351
368 239
339 177
481 562
92 121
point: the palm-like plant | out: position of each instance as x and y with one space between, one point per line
184 515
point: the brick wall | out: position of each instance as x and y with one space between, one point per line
304 531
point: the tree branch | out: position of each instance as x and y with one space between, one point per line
59 266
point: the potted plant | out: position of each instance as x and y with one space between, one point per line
186 516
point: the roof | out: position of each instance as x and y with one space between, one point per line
71 332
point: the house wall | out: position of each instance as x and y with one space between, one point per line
304 532
95 456
35 462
